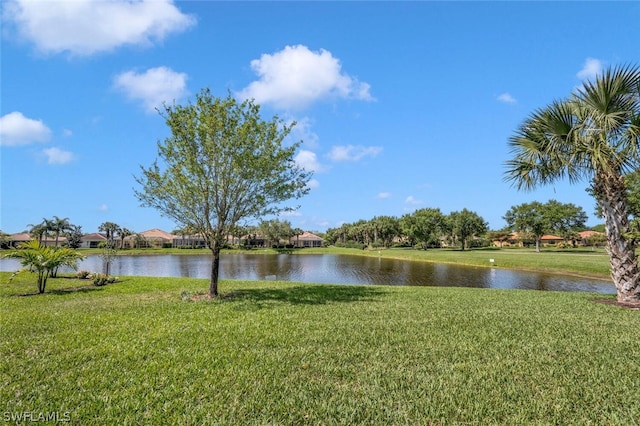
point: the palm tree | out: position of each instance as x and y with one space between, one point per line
124 233
110 229
58 226
593 135
38 230
43 260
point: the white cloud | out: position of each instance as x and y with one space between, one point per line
352 152
103 207
313 183
152 87
411 200
296 77
290 213
302 131
383 195
591 68
506 98
85 27
57 156
16 129
308 160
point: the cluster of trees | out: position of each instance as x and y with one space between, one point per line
266 233
535 219
275 230
57 227
427 227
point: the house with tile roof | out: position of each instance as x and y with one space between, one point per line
92 240
152 238
307 239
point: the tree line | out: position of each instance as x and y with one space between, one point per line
429 227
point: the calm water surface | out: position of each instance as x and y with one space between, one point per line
337 269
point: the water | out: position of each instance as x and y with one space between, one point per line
337 269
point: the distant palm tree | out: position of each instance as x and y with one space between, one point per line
594 135
110 229
39 231
124 233
58 226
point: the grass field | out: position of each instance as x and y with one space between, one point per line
141 352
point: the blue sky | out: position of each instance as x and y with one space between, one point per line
401 105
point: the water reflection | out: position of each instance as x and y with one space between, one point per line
338 269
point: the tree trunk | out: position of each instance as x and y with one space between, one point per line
612 195
538 243
215 269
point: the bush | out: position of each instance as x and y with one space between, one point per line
101 279
83 275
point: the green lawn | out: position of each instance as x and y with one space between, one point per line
139 352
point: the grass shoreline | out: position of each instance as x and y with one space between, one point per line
273 352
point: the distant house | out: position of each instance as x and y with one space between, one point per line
551 239
307 239
198 241
14 240
189 241
92 240
592 238
150 239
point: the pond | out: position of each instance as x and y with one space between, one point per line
338 269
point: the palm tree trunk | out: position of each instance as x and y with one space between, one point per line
624 262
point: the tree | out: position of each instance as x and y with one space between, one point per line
122 234
275 230
221 164
296 232
43 260
499 237
4 239
425 226
74 236
110 229
592 135
385 228
553 217
39 230
565 219
108 247
466 224
58 226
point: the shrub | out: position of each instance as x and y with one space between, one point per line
101 279
83 275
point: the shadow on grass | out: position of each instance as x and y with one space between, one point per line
62 291
307 295
82 289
